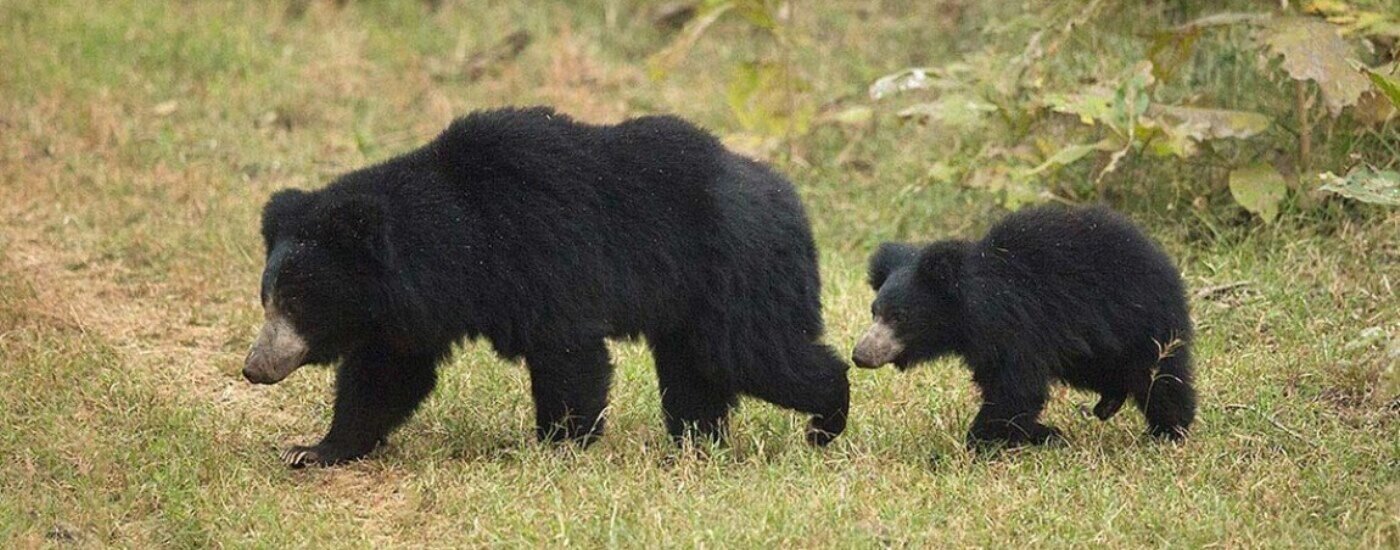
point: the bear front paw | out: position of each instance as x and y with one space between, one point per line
1108 406
1012 435
821 431
1175 434
571 431
1046 435
301 456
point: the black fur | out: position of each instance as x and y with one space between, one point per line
545 236
1051 294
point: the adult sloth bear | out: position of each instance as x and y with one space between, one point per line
545 236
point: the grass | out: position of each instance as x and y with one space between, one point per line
138 140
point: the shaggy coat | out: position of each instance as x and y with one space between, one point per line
545 236
1051 294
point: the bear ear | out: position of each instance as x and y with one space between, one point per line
941 263
888 258
357 224
281 210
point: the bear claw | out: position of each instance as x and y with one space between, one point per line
819 438
300 457
1174 434
1014 437
821 431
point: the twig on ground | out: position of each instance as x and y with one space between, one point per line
1211 292
1274 421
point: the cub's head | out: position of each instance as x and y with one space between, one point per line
326 256
917 309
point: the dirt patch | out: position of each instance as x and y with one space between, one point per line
82 292
184 362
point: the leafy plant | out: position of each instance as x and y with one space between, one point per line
1123 117
1259 188
764 95
1365 184
1387 85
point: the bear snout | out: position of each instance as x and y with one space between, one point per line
277 352
254 372
878 347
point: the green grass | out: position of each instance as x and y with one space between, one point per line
130 264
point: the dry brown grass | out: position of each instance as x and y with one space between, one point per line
138 141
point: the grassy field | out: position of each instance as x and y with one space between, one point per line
139 138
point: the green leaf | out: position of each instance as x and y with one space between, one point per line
918 78
958 111
1327 7
757 12
1069 155
1091 105
1135 87
1377 25
752 145
1008 183
1202 124
908 79
1223 19
1171 51
1365 185
1019 193
1183 127
763 95
1388 86
1258 188
1355 21
942 172
661 63
858 115
1118 106
1313 50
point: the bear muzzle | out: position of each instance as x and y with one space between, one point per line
878 347
278 351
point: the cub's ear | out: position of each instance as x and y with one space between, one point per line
280 212
357 224
886 259
941 263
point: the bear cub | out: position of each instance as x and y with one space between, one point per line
546 236
1078 296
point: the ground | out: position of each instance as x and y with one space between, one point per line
138 140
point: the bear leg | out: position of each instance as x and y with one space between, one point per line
1011 404
375 393
1168 399
1109 403
694 406
570 388
814 383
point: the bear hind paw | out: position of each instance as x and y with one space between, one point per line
1108 406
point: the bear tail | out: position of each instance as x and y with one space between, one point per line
1169 401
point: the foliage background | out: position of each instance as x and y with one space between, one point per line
138 140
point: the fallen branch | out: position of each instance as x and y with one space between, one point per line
510 47
1274 421
1211 292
